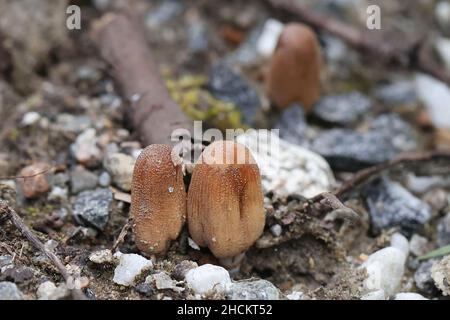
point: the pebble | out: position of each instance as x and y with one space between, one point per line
60 179
252 290
18 274
49 291
66 122
295 295
286 168
207 278
400 242
442 13
85 149
418 245
30 118
82 179
92 207
120 166
440 272
351 150
228 85
145 288
400 92
163 13
342 109
130 266
385 270
5 260
423 280
391 205
268 39
104 179
432 92
418 184
162 281
38 184
443 48
409 296
9 291
58 194
276 230
101 256
443 231
375 295
197 33
293 126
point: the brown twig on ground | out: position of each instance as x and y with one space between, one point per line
122 235
411 159
6 210
153 114
403 52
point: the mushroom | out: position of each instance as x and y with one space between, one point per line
158 199
225 201
294 72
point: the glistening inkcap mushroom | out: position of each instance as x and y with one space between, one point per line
225 201
158 199
294 74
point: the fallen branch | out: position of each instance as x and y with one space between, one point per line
403 52
153 114
6 210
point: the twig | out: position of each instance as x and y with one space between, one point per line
6 210
31 175
122 235
405 53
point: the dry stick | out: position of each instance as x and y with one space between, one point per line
6 210
153 114
406 54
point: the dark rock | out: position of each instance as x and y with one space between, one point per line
391 205
92 207
145 289
443 231
17 274
351 150
424 281
82 179
292 125
228 85
342 109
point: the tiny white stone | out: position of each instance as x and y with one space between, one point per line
268 39
192 244
135 97
101 256
400 242
409 296
385 270
295 295
208 277
170 189
276 230
30 118
130 266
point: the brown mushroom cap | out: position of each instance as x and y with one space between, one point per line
225 200
294 74
158 199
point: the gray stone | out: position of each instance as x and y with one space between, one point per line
91 207
5 260
82 179
197 37
440 272
104 179
390 205
69 123
163 13
120 166
49 291
342 109
418 245
443 231
9 291
293 126
423 280
228 85
442 13
400 92
253 290
350 150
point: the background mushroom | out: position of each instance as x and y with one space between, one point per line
294 74
158 199
225 200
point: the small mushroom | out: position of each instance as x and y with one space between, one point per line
294 72
225 201
158 199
